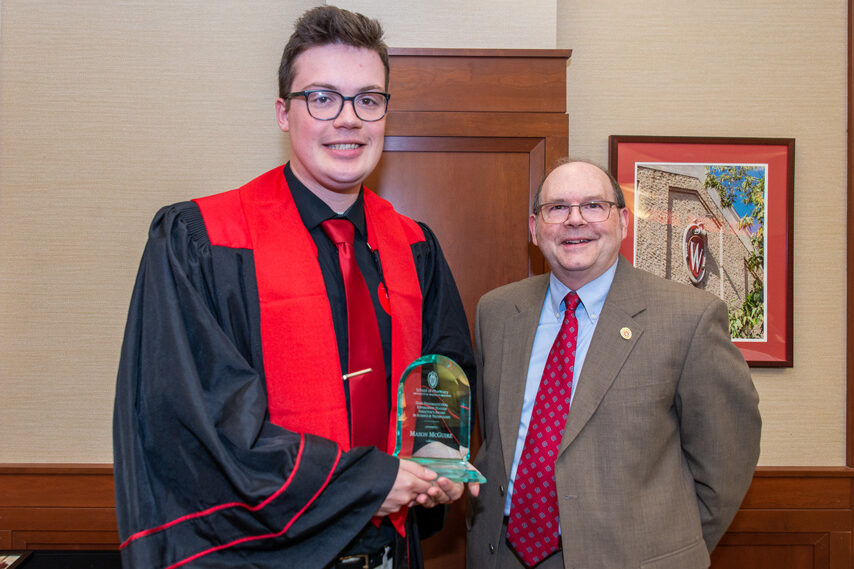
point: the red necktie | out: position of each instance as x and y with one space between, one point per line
532 528
368 398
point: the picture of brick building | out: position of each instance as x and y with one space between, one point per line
694 225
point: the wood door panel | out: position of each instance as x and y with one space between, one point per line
477 205
459 144
478 84
770 550
474 193
478 80
538 125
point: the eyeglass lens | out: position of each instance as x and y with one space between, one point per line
327 105
591 211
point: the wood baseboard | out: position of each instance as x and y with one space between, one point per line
57 506
792 518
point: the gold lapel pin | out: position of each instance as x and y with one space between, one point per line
626 333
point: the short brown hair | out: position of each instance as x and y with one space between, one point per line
326 25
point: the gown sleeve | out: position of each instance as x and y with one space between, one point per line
202 478
445 329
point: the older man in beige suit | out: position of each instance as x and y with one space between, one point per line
620 424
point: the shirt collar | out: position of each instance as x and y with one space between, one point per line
592 294
313 211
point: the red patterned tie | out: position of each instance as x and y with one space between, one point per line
368 399
532 528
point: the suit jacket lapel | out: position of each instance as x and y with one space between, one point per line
518 341
608 349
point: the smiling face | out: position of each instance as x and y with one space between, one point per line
336 155
578 251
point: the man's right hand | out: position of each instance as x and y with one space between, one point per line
413 480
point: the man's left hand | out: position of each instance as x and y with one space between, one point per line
444 491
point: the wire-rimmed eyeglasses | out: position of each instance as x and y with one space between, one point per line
326 105
591 212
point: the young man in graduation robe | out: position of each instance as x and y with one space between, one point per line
236 438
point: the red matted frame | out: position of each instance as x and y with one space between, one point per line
775 350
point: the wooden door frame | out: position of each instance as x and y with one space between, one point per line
849 329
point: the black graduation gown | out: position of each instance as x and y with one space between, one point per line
203 479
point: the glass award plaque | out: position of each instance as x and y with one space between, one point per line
434 418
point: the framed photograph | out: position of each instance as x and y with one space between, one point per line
11 559
716 214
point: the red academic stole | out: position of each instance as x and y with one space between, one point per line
301 364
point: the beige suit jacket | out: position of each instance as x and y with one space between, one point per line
662 438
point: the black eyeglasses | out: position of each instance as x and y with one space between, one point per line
325 105
591 212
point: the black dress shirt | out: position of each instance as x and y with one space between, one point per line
313 211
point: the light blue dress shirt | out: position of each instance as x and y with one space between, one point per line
592 297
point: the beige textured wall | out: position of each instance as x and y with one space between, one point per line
498 24
767 68
110 109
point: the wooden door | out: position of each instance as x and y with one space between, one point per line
469 137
